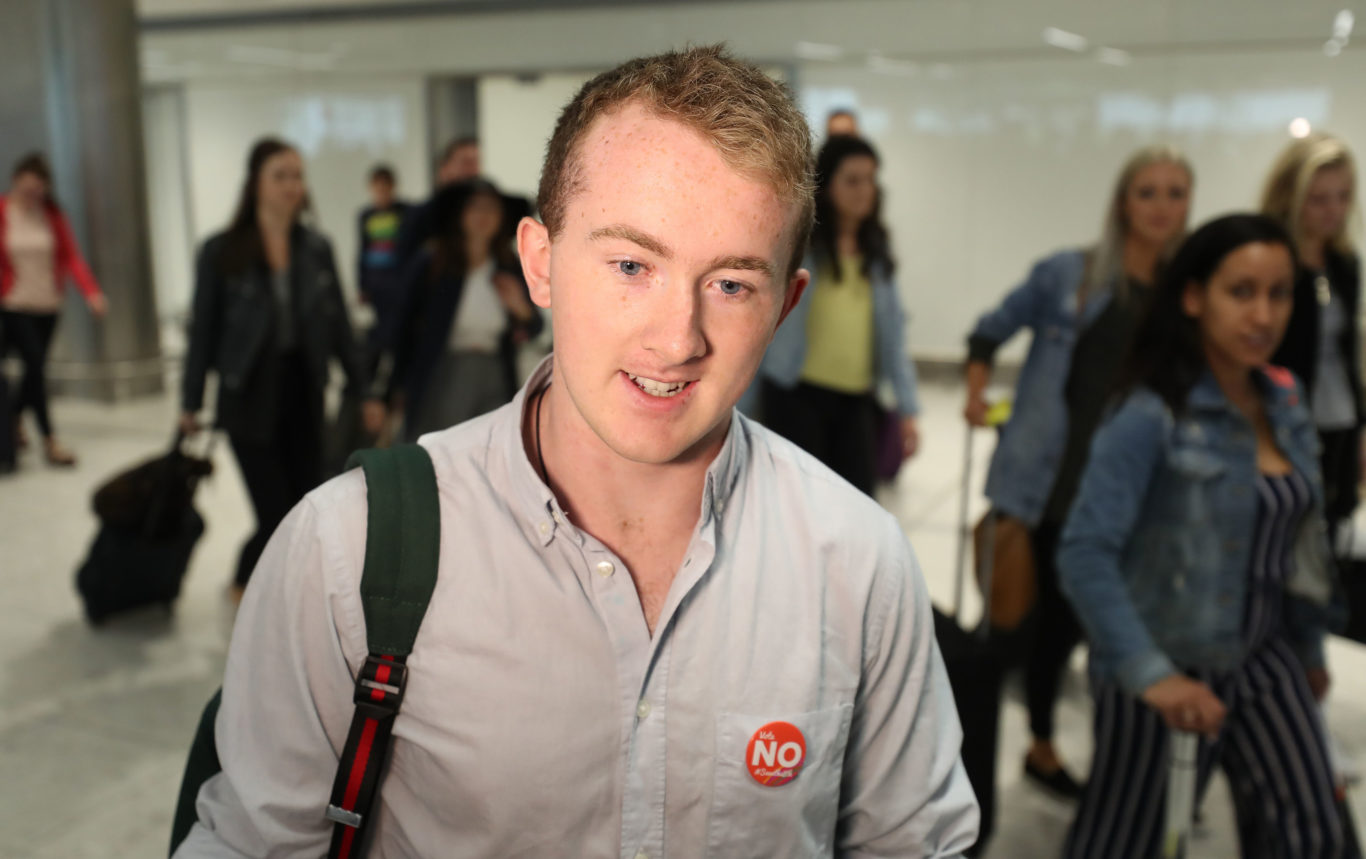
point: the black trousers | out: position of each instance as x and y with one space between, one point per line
1054 634
838 429
1340 460
281 469
30 336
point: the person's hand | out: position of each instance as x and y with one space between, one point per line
975 412
910 437
372 414
1319 682
512 295
1186 705
189 424
98 305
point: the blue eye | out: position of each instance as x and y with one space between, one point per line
630 268
730 287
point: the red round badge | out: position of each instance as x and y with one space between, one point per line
775 754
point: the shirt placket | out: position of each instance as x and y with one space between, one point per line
642 679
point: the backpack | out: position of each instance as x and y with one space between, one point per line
402 547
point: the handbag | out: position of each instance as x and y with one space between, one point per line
887 445
1004 561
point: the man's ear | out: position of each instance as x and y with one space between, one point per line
795 287
533 246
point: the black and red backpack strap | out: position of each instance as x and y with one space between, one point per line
402 548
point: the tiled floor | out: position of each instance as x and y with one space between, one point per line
94 723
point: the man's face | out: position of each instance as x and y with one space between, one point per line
667 281
381 193
462 164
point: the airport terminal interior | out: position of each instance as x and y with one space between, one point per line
999 125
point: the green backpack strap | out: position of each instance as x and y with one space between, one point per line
402 548
402 544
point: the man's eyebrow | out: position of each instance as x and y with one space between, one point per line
655 246
633 235
758 264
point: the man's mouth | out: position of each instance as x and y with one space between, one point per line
655 388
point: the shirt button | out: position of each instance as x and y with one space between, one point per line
545 527
643 709
606 568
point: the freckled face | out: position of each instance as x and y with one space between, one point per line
667 281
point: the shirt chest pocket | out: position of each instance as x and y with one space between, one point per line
777 783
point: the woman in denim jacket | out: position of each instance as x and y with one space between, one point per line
1082 307
1196 557
846 337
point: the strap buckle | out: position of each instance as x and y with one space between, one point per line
342 816
381 682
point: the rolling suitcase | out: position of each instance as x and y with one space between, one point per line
975 669
148 531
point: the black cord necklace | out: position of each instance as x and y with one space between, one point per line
540 456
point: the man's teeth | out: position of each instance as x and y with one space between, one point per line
657 389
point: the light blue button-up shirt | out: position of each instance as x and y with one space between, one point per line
541 717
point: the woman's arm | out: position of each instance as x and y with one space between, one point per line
205 328
70 262
1021 308
1125 454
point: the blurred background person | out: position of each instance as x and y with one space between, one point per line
459 163
468 310
1312 192
847 334
378 271
268 317
38 254
1196 557
1082 307
841 122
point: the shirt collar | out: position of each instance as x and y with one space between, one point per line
538 505
1277 385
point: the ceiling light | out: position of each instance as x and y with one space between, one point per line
889 66
1342 25
1065 40
1114 56
1299 127
819 51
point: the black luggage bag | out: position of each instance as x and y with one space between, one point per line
148 530
127 569
976 666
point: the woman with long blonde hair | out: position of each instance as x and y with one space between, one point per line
1312 192
1083 306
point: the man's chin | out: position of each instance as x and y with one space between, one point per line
659 448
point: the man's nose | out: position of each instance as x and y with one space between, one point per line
674 329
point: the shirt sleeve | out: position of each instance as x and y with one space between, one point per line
71 260
287 689
904 792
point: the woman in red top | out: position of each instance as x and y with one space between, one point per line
37 255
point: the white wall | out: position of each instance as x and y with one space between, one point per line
516 118
342 125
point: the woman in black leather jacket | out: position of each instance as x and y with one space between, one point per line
268 318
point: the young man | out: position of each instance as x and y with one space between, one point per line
658 629
378 266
